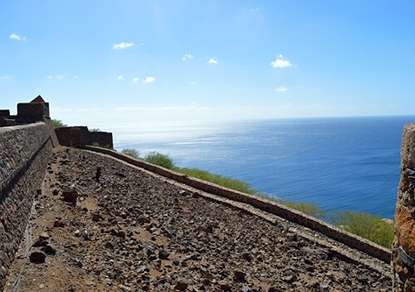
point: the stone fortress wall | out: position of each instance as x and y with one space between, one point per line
26 143
27 140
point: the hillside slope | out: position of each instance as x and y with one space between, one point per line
104 225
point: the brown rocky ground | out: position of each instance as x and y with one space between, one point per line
101 225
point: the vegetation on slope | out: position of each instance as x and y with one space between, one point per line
57 123
131 152
160 159
364 225
367 226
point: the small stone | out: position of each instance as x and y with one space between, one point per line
289 278
70 196
181 285
239 276
59 223
225 287
185 193
49 250
44 236
37 257
163 254
152 257
77 233
96 217
247 256
41 241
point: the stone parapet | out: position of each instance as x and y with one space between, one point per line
81 136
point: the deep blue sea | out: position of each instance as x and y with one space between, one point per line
337 163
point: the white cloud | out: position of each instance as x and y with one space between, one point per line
5 77
280 62
166 108
56 77
281 89
16 37
76 77
123 45
212 61
136 79
187 57
149 79
120 77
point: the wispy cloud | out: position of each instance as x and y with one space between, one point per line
123 45
280 63
281 89
6 77
136 79
190 108
120 77
149 79
212 61
56 77
187 57
16 37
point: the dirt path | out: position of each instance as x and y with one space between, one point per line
104 226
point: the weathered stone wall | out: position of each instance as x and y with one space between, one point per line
404 244
103 139
80 136
24 154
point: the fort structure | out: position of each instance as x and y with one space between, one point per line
76 214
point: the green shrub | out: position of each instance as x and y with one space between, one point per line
226 182
307 208
367 226
57 123
131 152
159 159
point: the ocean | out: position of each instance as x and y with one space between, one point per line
337 163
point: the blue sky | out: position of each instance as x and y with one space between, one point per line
149 62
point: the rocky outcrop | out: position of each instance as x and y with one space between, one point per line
404 243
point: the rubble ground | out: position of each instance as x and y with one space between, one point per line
102 225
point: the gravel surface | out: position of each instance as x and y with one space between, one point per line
101 225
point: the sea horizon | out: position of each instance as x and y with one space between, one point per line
337 163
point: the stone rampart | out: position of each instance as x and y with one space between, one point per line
24 154
80 136
263 204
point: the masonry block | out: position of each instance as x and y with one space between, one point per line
32 112
73 136
4 113
103 139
